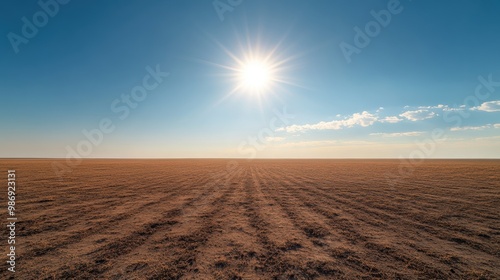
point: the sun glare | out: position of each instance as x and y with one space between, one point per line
255 76
257 71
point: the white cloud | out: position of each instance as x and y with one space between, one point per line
497 125
398 134
490 106
414 113
418 115
362 119
274 139
392 119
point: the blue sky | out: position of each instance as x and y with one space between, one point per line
432 69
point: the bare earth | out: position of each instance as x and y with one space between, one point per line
258 219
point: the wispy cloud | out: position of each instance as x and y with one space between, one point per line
327 143
358 119
489 138
274 139
411 113
398 134
490 106
460 108
440 106
418 115
482 127
392 119
320 143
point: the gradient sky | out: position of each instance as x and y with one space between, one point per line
415 82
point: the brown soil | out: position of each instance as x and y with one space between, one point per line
259 219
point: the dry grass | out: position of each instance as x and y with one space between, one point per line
263 219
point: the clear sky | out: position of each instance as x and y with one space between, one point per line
249 78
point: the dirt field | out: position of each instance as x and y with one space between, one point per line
259 219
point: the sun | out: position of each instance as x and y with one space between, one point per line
255 76
257 70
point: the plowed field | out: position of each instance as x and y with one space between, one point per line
258 219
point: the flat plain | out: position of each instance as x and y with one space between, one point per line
256 219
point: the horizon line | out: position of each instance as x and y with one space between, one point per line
269 158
